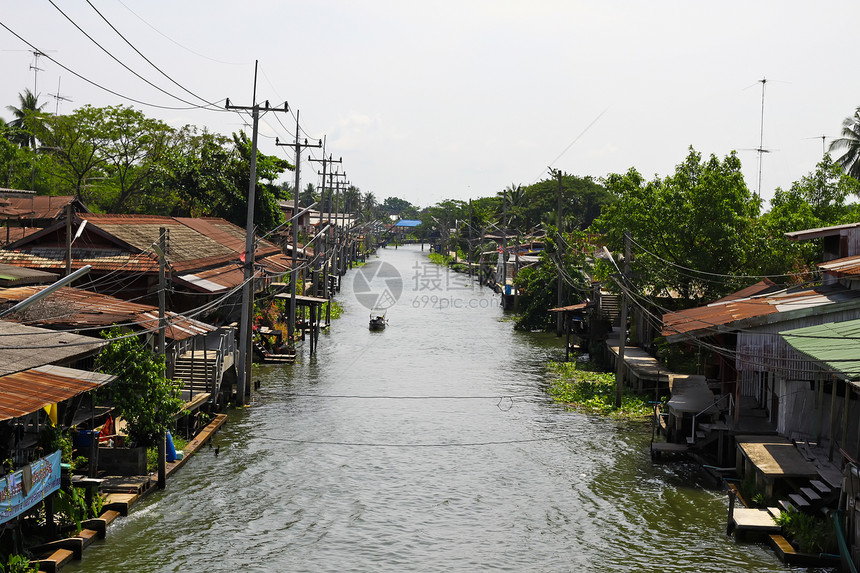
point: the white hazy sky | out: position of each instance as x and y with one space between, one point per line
458 99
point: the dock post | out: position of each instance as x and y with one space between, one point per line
729 524
162 460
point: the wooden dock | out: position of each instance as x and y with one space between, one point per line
119 493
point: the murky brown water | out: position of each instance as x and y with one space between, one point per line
430 446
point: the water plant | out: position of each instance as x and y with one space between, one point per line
811 534
17 564
586 388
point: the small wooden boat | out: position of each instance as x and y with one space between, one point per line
377 321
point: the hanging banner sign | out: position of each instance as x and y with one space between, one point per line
23 489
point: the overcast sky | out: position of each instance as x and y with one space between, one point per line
458 99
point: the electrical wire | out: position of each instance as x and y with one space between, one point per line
93 83
180 45
145 58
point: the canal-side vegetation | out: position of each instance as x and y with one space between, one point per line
141 394
583 386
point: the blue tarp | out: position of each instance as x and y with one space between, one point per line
408 223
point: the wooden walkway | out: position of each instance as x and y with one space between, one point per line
121 492
640 367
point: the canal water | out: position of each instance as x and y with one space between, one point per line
429 446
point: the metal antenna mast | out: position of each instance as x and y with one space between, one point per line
761 148
58 97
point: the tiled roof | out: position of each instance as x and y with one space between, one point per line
100 259
193 244
735 314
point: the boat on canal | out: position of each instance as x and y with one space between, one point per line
377 321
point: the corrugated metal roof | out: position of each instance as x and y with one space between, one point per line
819 232
26 347
41 206
214 280
25 392
10 275
76 308
835 345
761 287
749 312
848 267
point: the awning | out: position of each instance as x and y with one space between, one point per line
26 392
836 345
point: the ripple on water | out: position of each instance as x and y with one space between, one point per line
334 468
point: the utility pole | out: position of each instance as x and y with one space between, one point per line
559 319
336 254
162 344
469 253
326 258
619 374
243 384
291 323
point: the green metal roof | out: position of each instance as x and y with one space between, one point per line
836 345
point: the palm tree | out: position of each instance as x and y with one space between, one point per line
850 142
27 119
370 206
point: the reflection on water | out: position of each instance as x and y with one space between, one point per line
429 446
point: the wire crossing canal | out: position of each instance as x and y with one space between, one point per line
428 446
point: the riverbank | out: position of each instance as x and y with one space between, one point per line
127 491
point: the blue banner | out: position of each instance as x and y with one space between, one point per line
23 489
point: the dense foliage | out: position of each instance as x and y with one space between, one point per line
698 219
143 397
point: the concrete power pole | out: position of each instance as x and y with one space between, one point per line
243 384
291 323
326 257
559 319
619 375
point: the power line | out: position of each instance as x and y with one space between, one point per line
147 59
177 43
95 84
114 58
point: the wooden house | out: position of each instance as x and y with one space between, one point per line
39 368
204 257
743 335
199 355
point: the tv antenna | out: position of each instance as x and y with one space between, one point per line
59 97
823 138
761 150
35 67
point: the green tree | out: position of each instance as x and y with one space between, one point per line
308 196
538 284
818 199
400 207
133 151
689 228
75 142
143 397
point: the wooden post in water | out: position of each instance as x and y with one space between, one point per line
730 525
